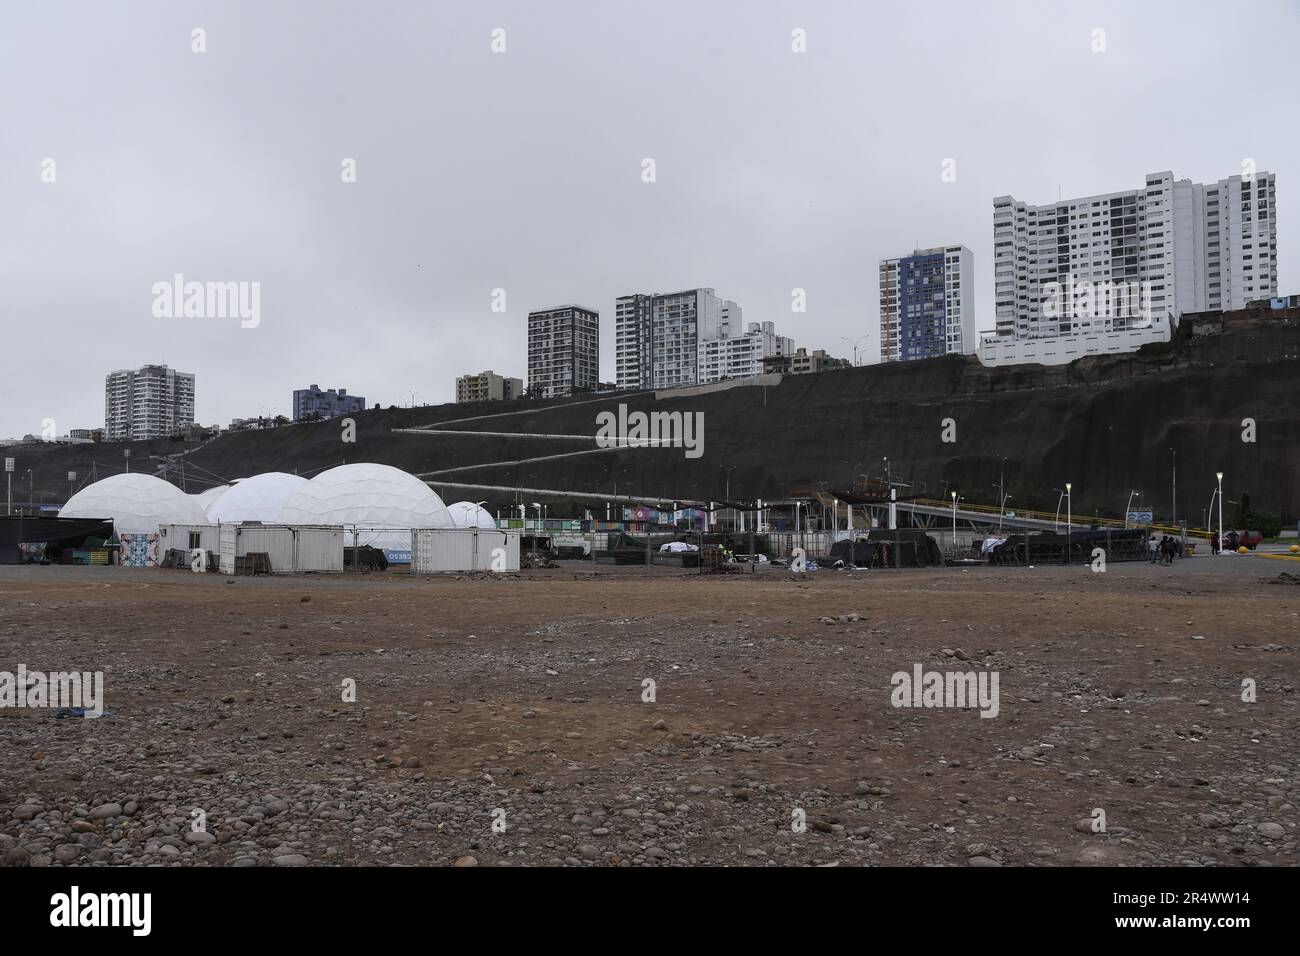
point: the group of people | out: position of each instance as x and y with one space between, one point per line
1165 549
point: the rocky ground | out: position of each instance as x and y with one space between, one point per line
520 701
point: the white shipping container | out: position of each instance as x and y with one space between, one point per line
320 549
290 548
275 541
464 549
185 537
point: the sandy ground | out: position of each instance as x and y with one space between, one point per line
772 739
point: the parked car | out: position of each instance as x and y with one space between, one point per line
1236 539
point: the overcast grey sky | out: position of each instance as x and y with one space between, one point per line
522 170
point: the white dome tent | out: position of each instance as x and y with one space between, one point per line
368 497
467 514
210 496
136 503
261 498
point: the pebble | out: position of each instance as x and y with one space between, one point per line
67 853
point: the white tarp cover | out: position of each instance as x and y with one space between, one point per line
678 547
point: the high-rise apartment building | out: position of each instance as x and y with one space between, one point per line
927 304
487 387
1120 268
743 354
657 337
151 402
563 350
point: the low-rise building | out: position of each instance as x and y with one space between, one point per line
487 386
314 402
804 362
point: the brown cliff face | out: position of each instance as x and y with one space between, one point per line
1109 424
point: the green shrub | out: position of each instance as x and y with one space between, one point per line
1267 523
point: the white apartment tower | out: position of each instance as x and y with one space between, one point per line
657 337
927 304
741 355
1124 266
150 402
563 350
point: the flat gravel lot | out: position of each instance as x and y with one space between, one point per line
772 740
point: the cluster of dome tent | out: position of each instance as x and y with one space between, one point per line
385 502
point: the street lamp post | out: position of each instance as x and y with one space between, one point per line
854 343
126 454
1069 519
954 524
1219 475
72 480
1128 508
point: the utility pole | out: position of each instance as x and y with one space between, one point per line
1002 489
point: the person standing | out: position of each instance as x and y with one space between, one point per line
1154 546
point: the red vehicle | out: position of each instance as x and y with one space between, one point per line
1236 539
